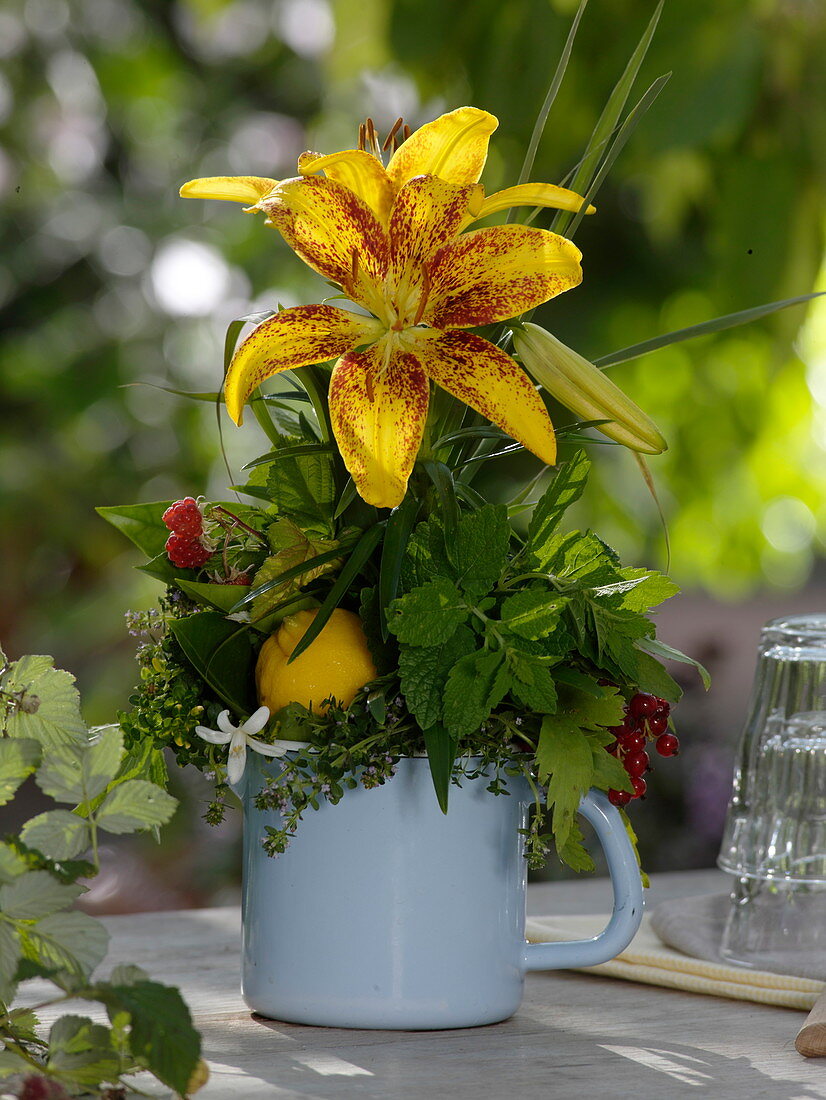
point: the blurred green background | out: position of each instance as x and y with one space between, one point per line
110 283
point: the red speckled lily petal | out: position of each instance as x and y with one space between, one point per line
359 171
334 231
531 194
378 415
484 377
492 274
293 338
453 147
426 215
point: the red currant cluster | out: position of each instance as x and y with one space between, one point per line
646 717
185 547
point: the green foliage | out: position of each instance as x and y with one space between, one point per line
41 935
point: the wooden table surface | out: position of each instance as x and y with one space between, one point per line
577 1035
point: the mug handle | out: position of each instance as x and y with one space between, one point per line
628 903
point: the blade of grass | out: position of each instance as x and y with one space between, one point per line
442 479
609 118
649 481
623 134
352 567
553 88
288 575
290 452
705 328
399 528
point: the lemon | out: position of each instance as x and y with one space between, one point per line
337 663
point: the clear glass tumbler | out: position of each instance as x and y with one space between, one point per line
775 836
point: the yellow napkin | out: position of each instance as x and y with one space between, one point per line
647 959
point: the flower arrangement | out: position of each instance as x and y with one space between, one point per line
370 603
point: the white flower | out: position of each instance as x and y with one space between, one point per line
238 738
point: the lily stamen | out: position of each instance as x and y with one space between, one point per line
390 139
361 136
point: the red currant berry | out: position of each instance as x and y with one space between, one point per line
640 786
636 763
642 705
668 745
657 724
633 742
663 706
184 518
619 798
37 1087
613 748
186 553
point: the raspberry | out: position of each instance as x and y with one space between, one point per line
186 553
42 1088
184 518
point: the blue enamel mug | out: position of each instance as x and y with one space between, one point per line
386 913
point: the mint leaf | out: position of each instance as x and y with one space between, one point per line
640 590
426 556
582 560
427 615
566 487
133 805
302 486
533 612
475 685
480 550
50 708
18 759
424 670
58 834
566 762
641 669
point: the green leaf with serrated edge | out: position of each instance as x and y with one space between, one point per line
565 761
423 671
479 552
580 560
81 1051
532 684
650 589
134 805
303 486
588 710
71 941
60 776
426 556
220 596
475 685
667 653
161 1031
12 863
428 615
36 894
127 974
609 772
221 652
573 852
19 756
532 613
10 952
292 548
142 524
566 487
54 703
581 681
101 760
58 834
441 756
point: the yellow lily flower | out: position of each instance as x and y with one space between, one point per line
391 239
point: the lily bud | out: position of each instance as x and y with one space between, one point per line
585 390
